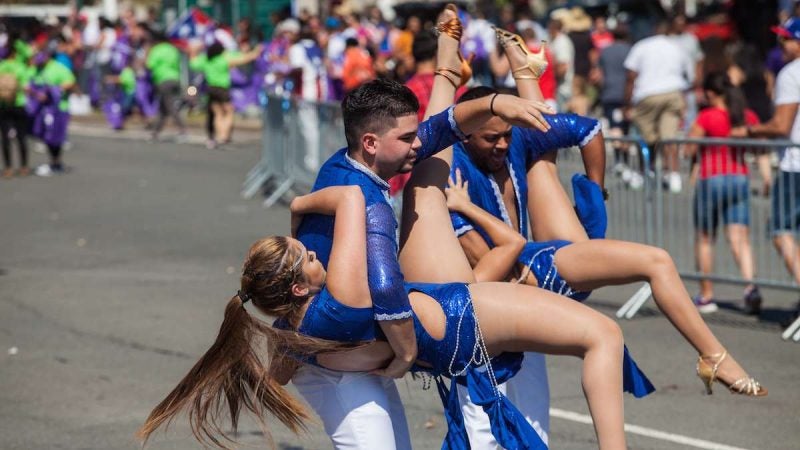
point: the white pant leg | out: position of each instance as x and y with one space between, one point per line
308 116
359 411
476 421
528 390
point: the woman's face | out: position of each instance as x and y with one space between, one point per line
313 272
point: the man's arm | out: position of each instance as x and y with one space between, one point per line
452 125
568 130
779 126
630 79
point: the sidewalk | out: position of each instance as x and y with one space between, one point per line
245 129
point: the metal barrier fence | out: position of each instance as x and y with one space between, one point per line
297 138
643 206
688 210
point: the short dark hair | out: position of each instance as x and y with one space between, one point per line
485 91
424 46
214 50
374 107
351 42
477 92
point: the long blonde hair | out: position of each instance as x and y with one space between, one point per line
237 369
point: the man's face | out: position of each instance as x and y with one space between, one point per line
488 146
396 149
791 47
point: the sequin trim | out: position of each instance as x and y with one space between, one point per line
463 230
499 199
591 135
396 316
549 281
453 125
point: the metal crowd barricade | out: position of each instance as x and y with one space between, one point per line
693 208
298 136
644 208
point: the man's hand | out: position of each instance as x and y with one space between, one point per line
457 193
739 132
522 112
396 369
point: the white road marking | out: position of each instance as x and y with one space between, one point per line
648 432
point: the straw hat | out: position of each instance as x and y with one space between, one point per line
574 19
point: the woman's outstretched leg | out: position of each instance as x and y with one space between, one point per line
627 262
531 319
429 249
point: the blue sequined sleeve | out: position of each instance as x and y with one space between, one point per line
437 133
461 224
566 130
389 297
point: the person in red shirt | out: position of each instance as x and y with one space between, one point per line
358 68
723 188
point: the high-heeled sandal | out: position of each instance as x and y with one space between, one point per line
453 29
707 367
536 62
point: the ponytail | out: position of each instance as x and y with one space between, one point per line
236 371
735 102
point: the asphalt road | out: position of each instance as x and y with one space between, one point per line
113 281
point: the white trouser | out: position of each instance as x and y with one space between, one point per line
528 390
359 411
308 116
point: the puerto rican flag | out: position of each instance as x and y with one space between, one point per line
193 24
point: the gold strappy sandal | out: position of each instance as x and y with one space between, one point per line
536 62
707 367
453 29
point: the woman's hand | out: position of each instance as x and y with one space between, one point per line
457 193
522 112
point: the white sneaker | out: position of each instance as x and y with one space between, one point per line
626 175
44 170
636 181
673 182
619 169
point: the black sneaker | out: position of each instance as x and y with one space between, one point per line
752 302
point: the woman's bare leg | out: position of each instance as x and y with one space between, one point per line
219 120
704 254
627 262
739 239
429 249
550 209
531 319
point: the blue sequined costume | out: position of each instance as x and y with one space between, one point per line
526 146
460 355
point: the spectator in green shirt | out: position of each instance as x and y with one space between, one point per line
14 77
164 63
50 72
216 65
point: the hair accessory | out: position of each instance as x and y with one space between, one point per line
243 295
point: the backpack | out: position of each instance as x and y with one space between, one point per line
8 87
